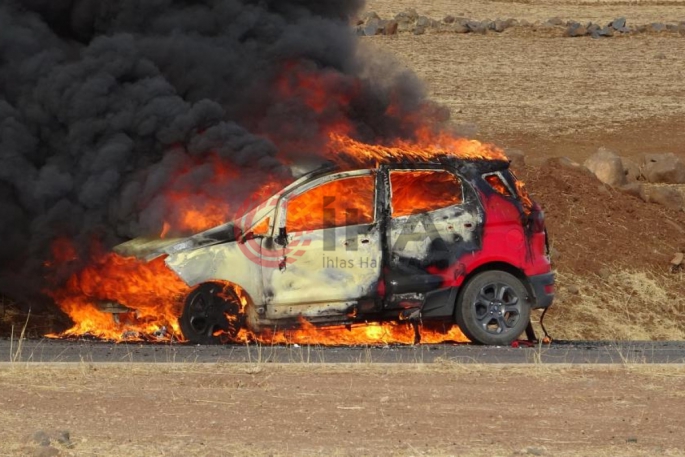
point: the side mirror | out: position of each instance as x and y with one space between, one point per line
282 237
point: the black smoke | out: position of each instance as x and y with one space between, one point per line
104 103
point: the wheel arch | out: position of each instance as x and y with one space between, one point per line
497 266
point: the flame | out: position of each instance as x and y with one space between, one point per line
438 190
153 295
427 146
192 209
373 333
306 211
151 292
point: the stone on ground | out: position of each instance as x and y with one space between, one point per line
665 196
663 168
607 166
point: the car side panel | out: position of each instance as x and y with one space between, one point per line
221 262
325 266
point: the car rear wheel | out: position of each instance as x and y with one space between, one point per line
212 314
493 308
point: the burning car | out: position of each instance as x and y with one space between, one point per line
443 239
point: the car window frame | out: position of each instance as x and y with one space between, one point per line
280 219
436 168
500 175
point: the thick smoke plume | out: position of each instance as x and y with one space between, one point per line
108 108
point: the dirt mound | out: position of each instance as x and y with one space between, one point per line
593 226
612 255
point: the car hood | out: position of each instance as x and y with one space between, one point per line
146 248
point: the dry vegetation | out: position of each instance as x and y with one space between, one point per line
436 409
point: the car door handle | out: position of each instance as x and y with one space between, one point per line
365 240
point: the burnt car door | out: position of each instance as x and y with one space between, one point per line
430 227
328 233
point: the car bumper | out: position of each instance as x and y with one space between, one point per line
543 289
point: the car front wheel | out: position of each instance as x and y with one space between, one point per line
212 314
493 308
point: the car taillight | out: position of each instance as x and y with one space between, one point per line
536 219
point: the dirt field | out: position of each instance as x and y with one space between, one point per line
436 409
639 11
555 96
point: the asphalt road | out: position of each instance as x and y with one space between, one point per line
576 352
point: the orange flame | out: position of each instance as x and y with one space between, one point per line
427 146
153 295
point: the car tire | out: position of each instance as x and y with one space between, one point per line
212 314
493 308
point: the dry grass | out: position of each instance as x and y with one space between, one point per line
624 305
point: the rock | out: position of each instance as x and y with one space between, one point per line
618 23
575 30
461 27
663 168
405 27
592 27
409 15
511 22
423 21
449 19
418 30
390 28
516 157
677 259
524 23
636 189
555 21
605 31
372 27
573 289
499 26
476 27
406 20
631 169
672 27
624 30
607 166
656 27
665 196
